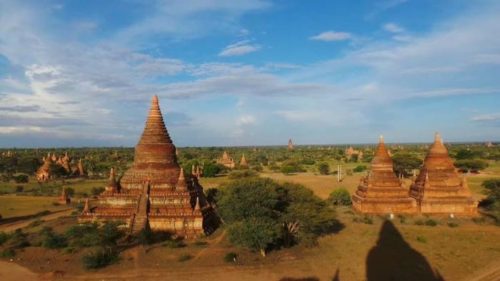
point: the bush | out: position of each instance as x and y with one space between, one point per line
230 257
100 258
8 253
453 224
340 197
184 258
431 222
172 244
19 189
52 240
421 239
22 178
211 170
419 222
324 168
3 237
19 239
359 169
242 174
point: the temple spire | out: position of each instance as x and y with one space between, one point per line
197 206
86 207
181 182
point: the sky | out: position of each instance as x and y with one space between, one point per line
249 72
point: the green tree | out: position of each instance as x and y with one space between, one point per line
471 165
323 168
359 169
405 163
340 197
256 233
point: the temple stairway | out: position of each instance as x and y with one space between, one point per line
141 216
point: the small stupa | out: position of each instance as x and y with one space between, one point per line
381 192
438 188
243 162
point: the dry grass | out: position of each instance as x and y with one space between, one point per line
13 206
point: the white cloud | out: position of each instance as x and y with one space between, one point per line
239 49
392 27
246 120
486 117
332 36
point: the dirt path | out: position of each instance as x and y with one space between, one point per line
10 271
20 224
211 245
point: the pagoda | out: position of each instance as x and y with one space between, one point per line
290 145
243 162
381 192
153 192
438 188
226 160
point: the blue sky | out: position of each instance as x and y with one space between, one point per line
249 72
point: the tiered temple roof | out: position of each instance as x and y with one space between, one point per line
154 190
439 188
226 160
381 192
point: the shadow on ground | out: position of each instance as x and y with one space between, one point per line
392 258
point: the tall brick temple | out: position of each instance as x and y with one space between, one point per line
154 191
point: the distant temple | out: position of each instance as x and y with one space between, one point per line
243 162
226 161
290 145
64 199
438 187
154 191
350 152
381 192
44 174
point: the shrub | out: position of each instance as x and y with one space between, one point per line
22 178
419 222
230 257
431 222
19 189
3 237
340 197
8 253
402 219
453 224
359 169
324 168
184 258
174 244
242 174
19 239
52 240
421 239
100 258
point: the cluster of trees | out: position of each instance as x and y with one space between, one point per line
492 201
262 214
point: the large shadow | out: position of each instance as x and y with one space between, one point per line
392 258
